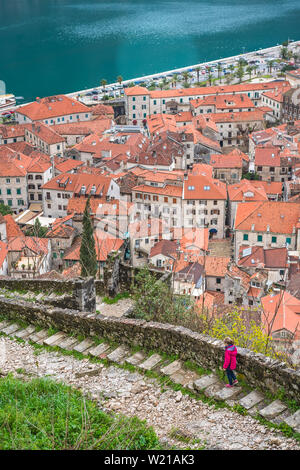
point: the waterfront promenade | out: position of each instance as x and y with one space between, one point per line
273 52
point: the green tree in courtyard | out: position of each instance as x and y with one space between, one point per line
4 210
88 257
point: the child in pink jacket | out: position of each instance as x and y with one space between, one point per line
230 361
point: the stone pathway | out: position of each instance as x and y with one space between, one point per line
132 393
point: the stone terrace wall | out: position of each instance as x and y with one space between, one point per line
260 372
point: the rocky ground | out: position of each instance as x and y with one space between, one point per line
131 393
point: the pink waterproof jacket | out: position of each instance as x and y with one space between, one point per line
230 357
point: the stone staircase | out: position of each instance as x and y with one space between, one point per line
210 385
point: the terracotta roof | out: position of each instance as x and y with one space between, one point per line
213 90
167 190
267 156
83 128
288 310
136 91
96 185
272 258
244 116
12 131
279 217
52 106
233 271
203 187
45 133
226 161
277 94
164 247
3 252
224 101
13 163
68 165
246 191
12 228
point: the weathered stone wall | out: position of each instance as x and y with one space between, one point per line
37 285
260 372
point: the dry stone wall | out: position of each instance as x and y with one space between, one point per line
259 371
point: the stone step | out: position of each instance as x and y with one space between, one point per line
294 421
205 381
281 417
136 359
9 330
227 393
83 346
186 378
39 296
24 333
212 390
251 400
151 362
55 339
3 324
171 368
99 349
39 336
118 355
273 410
68 343
89 372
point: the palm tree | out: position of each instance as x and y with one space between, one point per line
175 79
120 79
103 82
240 73
255 68
198 73
270 65
249 70
210 76
186 77
219 69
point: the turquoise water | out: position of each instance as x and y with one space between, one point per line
59 46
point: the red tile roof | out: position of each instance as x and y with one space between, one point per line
52 106
246 191
287 316
280 217
203 187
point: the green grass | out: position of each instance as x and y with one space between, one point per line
114 300
44 415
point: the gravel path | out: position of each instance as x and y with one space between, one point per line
133 394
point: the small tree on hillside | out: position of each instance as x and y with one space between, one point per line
88 257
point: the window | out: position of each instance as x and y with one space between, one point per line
17 180
274 239
18 190
245 236
144 98
7 180
218 280
288 240
133 107
154 102
259 238
8 191
133 115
